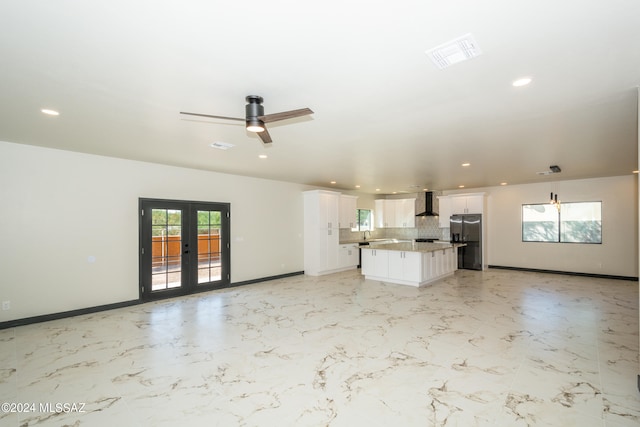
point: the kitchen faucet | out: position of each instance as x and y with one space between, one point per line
365 234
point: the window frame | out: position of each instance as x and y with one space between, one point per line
358 226
559 223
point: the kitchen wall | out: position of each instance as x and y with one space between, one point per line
58 208
618 253
426 227
637 237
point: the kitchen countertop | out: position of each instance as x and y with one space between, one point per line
372 241
414 247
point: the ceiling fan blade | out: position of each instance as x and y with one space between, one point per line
265 137
213 117
268 118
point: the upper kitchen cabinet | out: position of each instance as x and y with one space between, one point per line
395 213
385 213
473 203
348 211
444 210
325 212
405 213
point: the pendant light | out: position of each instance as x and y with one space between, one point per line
554 200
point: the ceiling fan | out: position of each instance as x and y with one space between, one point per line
256 119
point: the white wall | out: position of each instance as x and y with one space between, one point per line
59 207
638 220
618 253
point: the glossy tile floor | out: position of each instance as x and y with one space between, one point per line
495 348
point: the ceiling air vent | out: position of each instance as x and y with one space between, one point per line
454 51
221 145
552 169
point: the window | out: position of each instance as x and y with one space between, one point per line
364 220
573 223
581 222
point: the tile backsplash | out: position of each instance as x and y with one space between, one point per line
426 227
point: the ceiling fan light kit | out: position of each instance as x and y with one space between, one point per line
255 125
255 118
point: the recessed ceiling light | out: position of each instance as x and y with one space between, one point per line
503 183
262 156
377 189
460 186
333 182
466 164
357 186
50 112
636 171
522 82
221 145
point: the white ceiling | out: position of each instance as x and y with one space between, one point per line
385 117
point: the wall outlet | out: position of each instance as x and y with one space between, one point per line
6 305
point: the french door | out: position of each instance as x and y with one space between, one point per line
184 247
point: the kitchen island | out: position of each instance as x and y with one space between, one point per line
409 263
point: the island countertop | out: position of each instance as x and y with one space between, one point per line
414 246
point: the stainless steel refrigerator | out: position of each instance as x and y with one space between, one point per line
468 229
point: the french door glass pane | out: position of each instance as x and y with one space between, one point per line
209 246
166 249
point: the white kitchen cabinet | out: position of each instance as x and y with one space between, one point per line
405 213
348 255
413 268
429 266
375 262
328 204
467 204
348 211
385 213
395 213
405 265
321 232
444 211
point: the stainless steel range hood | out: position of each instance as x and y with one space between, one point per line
424 204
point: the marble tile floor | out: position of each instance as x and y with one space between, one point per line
494 348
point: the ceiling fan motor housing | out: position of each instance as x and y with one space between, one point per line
254 108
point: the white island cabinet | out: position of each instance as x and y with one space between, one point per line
413 264
375 262
404 265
